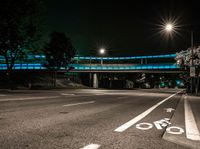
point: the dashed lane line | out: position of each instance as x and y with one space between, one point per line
91 146
80 103
64 94
192 131
28 98
142 115
121 97
141 94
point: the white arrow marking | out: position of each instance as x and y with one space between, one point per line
169 110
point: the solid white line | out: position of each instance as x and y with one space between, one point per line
91 146
28 98
80 103
192 131
142 115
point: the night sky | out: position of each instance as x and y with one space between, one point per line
123 27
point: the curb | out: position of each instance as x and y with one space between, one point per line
178 120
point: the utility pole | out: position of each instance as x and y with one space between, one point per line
192 69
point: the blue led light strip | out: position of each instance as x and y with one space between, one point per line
99 67
42 57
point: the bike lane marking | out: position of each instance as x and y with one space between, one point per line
142 115
192 131
160 124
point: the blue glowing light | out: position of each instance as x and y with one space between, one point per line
80 67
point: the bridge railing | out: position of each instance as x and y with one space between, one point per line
80 67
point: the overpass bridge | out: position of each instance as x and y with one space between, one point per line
142 64
96 65
103 64
126 64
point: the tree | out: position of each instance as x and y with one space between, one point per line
190 58
20 28
59 52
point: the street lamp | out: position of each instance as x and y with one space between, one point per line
102 51
169 28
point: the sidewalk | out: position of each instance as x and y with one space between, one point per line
186 119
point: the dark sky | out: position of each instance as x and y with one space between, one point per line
123 27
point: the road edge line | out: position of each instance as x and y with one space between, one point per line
192 131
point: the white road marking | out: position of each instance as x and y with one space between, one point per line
162 123
80 103
28 98
67 94
192 131
91 146
144 126
142 115
169 110
116 93
175 130
2 95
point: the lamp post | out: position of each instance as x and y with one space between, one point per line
102 52
169 28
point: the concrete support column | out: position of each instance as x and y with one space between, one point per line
95 81
90 79
146 61
110 83
101 61
142 61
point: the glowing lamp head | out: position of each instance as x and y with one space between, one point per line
169 27
102 51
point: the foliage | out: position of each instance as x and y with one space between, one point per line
59 51
20 28
189 56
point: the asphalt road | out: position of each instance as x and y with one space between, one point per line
87 119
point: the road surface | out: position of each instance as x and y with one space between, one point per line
88 119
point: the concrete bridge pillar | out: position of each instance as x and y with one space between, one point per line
144 61
95 81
